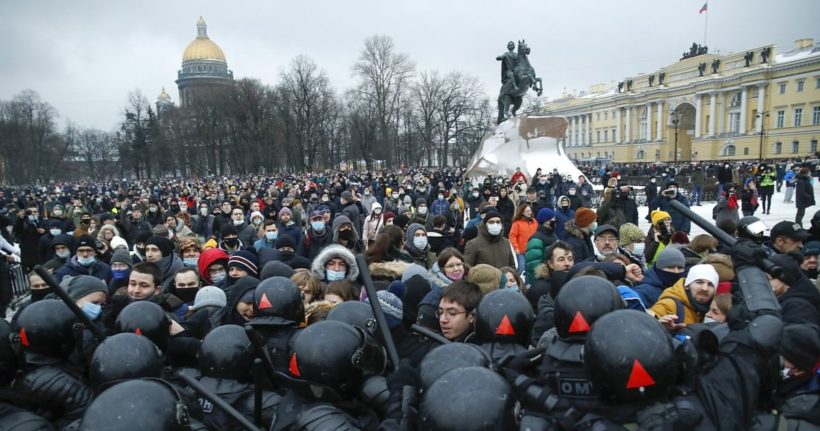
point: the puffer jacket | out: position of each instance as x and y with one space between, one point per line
670 299
537 249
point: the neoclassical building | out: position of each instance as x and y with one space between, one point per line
759 103
203 67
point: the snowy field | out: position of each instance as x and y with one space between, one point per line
780 211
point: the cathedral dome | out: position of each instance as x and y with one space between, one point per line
202 48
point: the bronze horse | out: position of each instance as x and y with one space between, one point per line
512 93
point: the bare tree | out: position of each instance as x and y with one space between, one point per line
426 94
459 95
95 150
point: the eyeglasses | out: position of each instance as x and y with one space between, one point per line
454 265
449 313
606 239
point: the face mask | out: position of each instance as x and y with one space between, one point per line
456 206
324 199
669 278
494 229
456 276
190 262
55 232
57 213
32 218
187 294
232 242
366 193
38 294
218 277
475 194
346 234
152 209
92 310
639 249
707 319
440 197
204 212
513 287
238 222
673 192
593 226
395 195
334 275
271 236
63 254
422 210
572 192
420 242
542 181
652 181
317 226
257 222
86 261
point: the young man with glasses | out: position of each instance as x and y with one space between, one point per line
456 309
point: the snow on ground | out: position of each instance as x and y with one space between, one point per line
780 211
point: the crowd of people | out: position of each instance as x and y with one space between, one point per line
513 303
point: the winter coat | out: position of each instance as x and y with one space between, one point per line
580 242
72 268
650 288
388 271
561 217
536 250
668 304
521 232
506 207
293 230
586 193
724 175
629 209
29 238
801 303
493 250
314 243
749 199
609 212
804 192
352 211
698 178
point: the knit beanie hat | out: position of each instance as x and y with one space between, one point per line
160 230
487 277
421 201
415 269
285 241
722 264
544 214
800 345
584 217
210 296
492 213
657 216
702 272
346 195
670 257
629 234
118 241
246 260
122 256
165 245
285 210
392 308
275 268
229 229
83 285
85 241
401 220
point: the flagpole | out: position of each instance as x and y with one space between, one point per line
705 26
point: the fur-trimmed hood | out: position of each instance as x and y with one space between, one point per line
542 272
392 269
572 229
330 252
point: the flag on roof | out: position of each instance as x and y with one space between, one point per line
704 8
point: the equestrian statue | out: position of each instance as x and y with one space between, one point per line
517 77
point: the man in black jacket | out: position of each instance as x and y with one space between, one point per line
627 205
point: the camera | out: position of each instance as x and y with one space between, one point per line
669 193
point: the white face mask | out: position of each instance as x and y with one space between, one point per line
639 249
707 319
494 229
422 210
238 222
420 242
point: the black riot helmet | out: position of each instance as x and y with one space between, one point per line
581 302
8 359
227 353
47 327
354 313
335 354
278 301
447 357
137 405
751 227
630 357
147 319
504 316
124 356
470 398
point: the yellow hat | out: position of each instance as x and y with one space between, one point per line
388 191
658 216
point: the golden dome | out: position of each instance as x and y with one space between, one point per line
202 48
163 96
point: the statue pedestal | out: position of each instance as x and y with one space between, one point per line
526 142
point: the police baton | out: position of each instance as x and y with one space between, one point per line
219 402
767 265
421 330
384 330
258 373
61 293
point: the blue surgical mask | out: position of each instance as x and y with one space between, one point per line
271 236
318 226
494 229
92 310
121 274
639 249
86 261
55 232
420 242
190 262
218 277
334 275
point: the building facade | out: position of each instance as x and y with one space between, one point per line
754 104
203 66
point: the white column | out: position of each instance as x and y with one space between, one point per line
617 125
569 131
581 136
577 141
659 131
627 127
759 120
648 127
712 103
589 129
722 113
742 129
697 115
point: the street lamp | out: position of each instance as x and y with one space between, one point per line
676 121
760 116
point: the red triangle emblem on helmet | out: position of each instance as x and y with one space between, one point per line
579 324
264 302
639 377
505 327
294 366
24 337
138 331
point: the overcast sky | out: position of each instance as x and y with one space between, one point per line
84 57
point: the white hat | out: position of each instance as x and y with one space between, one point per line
702 272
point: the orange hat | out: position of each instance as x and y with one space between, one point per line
584 217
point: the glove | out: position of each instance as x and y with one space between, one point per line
523 361
746 252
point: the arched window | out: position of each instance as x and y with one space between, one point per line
729 150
